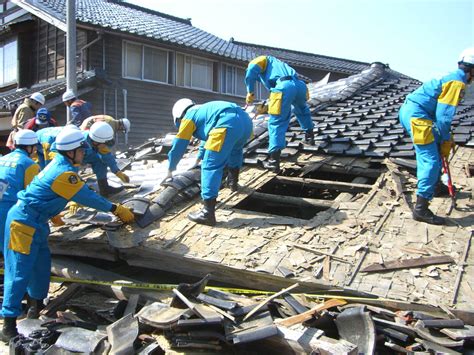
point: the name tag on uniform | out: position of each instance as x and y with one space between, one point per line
3 187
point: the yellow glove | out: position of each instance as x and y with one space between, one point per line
124 213
57 221
446 147
122 176
73 207
250 98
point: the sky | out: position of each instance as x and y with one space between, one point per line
419 38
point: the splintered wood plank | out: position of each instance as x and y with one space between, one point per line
303 317
409 263
324 184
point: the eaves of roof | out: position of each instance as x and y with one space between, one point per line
132 19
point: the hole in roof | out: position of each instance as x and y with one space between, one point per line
331 173
257 204
470 170
297 189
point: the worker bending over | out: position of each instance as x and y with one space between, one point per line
426 115
223 128
27 256
17 170
286 91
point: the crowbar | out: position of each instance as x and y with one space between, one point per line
450 185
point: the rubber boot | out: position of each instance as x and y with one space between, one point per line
105 189
273 163
421 213
309 137
34 308
207 215
9 329
233 179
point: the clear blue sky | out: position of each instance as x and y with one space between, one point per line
420 38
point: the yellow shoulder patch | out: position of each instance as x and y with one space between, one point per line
261 62
186 129
451 93
30 173
103 149
67 184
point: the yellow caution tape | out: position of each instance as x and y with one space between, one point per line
170 287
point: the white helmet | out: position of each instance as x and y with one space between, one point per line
125 124
38 97
68 95
180 108
467 57
69 139
25 137
102 132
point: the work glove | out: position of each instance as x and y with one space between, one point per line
445 148
250 98
122 176
124 213
57 221
73 208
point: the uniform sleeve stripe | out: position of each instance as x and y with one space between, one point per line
30 173
186 129
451 93
67 185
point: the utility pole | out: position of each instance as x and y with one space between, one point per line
71 65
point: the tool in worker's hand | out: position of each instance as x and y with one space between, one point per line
450 185
257 108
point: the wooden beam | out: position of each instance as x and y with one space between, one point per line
324 184
355 170
293 201
409 263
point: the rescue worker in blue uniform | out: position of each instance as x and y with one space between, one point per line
286 91
99 139
426 115
223 128
46 138
27 256
17 170
79 109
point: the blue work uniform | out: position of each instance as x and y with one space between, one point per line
99 159
426 115
286 91
17 170
46 139
27 256
223 128
80 110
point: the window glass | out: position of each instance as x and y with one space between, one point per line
156 64
133 60
240 88
1 65
8 62
201 73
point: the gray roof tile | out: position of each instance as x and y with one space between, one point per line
124 17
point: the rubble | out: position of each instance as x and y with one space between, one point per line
200 318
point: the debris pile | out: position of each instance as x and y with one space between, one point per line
219 320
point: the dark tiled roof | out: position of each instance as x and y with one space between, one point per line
139 21
313 61
49 89
358 116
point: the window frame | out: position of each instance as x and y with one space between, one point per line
142 56
212 62
223 81
4 83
